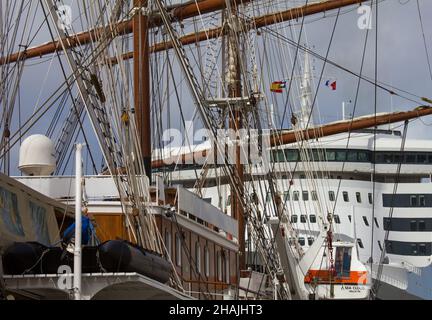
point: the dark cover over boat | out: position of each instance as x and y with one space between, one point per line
111 256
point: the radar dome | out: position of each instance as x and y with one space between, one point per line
37 156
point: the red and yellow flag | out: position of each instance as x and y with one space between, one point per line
277 86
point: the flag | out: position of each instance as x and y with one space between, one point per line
331 84
277 86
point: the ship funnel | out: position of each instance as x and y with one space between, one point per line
37 156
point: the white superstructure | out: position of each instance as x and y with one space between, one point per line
368 204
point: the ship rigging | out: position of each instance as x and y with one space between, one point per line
124 104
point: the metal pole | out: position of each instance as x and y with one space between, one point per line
343 110
78 217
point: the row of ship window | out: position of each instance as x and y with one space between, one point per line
336 219
310 241
408 224
339 155
404 200
222 262
409 248
390 224
314 196
392 247
302 241
334 155
389 200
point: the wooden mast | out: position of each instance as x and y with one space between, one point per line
234 88
141 81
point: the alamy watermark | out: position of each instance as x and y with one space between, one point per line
365 19
64 13
252 146
65 279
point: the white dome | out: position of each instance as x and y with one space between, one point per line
37 156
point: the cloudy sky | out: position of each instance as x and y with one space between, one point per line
402 60
402 63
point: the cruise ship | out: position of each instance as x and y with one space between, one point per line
377 184
348 198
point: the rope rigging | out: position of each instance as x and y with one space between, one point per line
98 91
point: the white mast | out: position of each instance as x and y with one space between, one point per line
306 95
346 115
78 217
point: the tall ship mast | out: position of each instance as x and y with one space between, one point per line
189 191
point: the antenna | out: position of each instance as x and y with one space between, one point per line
343 110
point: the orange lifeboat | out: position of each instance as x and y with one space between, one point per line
338 274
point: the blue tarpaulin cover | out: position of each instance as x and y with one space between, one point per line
86 229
